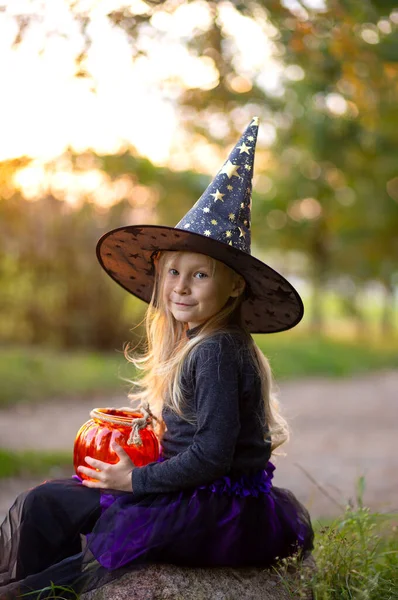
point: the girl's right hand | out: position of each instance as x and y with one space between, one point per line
115 477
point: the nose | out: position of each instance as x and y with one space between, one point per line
181 286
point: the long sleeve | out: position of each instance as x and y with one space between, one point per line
216 398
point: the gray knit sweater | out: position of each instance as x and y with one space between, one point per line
223 397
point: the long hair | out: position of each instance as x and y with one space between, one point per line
168 349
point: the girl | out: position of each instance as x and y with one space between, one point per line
209 500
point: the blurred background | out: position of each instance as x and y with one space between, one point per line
115 113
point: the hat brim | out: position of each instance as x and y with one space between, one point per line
125 253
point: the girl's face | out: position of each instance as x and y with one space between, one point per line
196 287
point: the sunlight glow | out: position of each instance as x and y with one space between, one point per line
46 109
93 185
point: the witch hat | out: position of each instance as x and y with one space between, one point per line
218 225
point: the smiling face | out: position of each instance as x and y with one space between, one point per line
195 287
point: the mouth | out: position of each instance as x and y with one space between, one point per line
182 304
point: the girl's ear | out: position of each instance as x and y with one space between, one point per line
238 286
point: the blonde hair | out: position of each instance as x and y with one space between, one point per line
168 349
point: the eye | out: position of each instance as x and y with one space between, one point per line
173 272
201 275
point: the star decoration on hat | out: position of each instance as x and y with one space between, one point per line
218 196
244 148
230 169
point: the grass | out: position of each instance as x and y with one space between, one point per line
33 374
295 355
31 463
52 592
356 558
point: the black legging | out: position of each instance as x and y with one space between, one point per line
54 515
40 539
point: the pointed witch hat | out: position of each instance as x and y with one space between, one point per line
218 225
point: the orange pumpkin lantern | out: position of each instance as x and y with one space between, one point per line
129 429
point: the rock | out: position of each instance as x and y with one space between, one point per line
170 582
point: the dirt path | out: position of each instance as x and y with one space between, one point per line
341 429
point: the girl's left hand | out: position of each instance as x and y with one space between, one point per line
115 477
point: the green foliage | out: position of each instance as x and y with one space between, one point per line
53 290
31 463
293 355
32 374
52 592
356 558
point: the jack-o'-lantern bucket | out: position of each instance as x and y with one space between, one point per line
131 429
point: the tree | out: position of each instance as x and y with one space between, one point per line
333 117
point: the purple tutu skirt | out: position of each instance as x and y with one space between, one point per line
243 521
234 522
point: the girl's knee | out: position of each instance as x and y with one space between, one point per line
35 496
44 493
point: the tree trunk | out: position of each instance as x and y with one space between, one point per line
317 323
387 316
320 269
